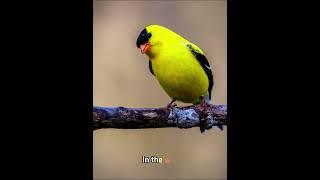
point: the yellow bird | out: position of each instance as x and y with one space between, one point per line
180 66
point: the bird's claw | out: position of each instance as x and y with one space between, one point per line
207 122
171 105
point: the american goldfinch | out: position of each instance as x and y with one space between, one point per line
180 66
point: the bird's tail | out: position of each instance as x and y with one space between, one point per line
207 99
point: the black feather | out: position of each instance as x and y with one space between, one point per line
143 37
150 67
205 65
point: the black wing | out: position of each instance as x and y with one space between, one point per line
205 65
150 67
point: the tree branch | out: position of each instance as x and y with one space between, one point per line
182 117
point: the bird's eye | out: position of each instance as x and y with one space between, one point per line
149 35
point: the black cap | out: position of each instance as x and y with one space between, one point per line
143 37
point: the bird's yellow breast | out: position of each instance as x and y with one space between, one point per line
180 74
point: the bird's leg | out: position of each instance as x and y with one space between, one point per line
204 107
203 104
171 104
205 121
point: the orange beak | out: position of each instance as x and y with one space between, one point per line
145 47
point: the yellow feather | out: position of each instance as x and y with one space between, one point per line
175 67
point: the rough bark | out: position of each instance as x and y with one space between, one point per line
182 117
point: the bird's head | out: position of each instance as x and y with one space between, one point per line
143 41
151 39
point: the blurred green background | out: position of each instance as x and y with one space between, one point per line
122 78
